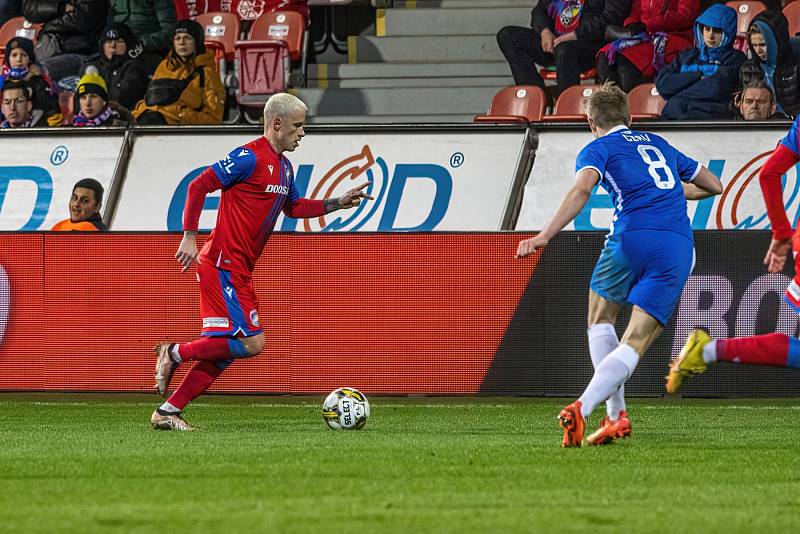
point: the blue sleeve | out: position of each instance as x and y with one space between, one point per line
791 141
687 167
593 156
236 167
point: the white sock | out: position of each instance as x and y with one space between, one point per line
175 353
602 341
710 352
167 407
612 372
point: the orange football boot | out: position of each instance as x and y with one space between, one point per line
610 431
571 420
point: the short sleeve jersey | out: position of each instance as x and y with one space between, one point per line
792 140
641 172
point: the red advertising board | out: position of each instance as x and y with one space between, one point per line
388 313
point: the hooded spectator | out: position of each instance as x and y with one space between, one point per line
92 103
700 82
20 65
120 64
186 88
772 60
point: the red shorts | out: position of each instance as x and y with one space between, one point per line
228 304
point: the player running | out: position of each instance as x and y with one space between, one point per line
257 182
647 258
778 350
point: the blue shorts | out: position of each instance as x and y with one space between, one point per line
647 268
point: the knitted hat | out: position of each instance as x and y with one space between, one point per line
194 29
93 83
23 43
118 30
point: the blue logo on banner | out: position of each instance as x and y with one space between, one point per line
59 155
44 191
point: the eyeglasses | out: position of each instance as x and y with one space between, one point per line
12 101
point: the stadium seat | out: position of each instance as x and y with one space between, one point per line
644 102
16 27
221 33
519 103
746 10
261 70
569 106
549 73
792 13
287 26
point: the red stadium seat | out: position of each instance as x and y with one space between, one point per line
569 106
746 10
792 13
549 73
519 103
221 32
261 69
286 26
644 102
16 27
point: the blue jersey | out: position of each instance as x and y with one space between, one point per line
791 140
641 173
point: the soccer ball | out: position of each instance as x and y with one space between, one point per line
346 409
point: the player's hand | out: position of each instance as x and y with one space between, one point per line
564 38
778 251
187 251
352 198
529 246
547 40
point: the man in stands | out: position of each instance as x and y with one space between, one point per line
757 103
84 208
257 183
17 107
564 33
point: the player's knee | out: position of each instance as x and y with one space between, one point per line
253 345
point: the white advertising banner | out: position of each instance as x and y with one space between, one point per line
37 175
420 181
735 156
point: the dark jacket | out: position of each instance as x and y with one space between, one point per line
781 62
77 30
152 20
126 76
700 82
595 16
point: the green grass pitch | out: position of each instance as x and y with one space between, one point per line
91 463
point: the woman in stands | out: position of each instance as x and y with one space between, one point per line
651 38
186 88
772 60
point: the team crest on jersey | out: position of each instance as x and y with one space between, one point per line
254 318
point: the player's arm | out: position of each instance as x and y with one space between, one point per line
781 160
195 198
572 203
704 185
304 208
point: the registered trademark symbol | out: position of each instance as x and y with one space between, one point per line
59 155
457 160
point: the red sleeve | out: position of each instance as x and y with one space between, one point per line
677 17
303 208
196 196
781 160
635 15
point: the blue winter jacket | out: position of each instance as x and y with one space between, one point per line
700 82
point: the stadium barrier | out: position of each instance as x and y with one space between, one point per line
430 313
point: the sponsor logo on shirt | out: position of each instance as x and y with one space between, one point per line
216 322
277 189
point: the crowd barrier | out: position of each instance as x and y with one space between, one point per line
395 313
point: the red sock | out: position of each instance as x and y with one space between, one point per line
768 349
195 383
205 348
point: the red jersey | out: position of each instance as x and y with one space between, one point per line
256 184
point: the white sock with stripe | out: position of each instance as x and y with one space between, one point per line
602 341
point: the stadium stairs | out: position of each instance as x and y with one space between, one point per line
406 66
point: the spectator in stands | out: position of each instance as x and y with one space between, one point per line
186 88
151 20
84 208
772 60
700 82
120 64
10 9
92 103
756 102
20 66
69 34
652 36
17 107
564 33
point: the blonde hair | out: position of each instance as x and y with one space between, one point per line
281 105
608 106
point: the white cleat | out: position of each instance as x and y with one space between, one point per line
165 367
172 421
